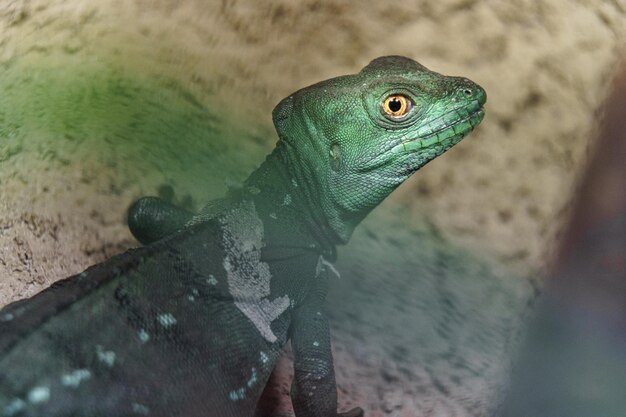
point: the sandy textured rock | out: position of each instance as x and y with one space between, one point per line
545 66
105 101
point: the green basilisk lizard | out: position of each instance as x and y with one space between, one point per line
192 323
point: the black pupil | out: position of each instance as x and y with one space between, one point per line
395 104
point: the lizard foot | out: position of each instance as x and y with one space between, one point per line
355 412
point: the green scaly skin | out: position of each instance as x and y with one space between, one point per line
193 323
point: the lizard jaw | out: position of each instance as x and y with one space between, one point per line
446 136
446 131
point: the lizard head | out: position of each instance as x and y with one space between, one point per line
351 140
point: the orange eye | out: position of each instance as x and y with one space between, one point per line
397 105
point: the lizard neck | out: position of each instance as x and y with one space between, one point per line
282 194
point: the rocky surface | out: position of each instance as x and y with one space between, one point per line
105 101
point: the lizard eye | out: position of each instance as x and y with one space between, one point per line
397 105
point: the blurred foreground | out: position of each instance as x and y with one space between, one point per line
574 362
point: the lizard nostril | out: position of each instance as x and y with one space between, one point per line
468 92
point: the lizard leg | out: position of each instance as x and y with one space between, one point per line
151 218
314 391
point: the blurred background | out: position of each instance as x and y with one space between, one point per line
102 102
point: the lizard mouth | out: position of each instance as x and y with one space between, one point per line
439 135
447 130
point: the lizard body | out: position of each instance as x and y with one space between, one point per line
192 323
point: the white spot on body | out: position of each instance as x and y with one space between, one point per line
13 407
166 320
191 297
252 380
264 358
211 280
248 277
105 356
316 343
238 394
74 378
39 395
7 317
263 312
144 336
324 265
140 409
287 200
273 216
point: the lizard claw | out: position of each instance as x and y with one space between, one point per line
355 412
